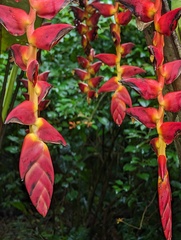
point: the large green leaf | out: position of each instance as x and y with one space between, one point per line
6 39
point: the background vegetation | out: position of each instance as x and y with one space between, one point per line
106 178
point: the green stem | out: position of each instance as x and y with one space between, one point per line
9 91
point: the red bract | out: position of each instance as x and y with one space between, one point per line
92 34
24 113
84 87
43 76
118 108
155 144
109 86
94 82
20 54
115 31
164 197
123 18
168 22
88 8
129 71
147 116
83 62
25 83
162 167
123 95
171 71
126 48
47 36
79 13
158 40
43 104
93 20
11 20
85 44
47 133
91 94
104 9
172 101
158 56
147 88
142 9
107 58
48 8
32 71
37 170
94 68
82 28
42 89
81 74
169 130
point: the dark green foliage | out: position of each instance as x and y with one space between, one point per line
105 174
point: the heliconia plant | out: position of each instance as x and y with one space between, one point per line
121 103
35 165
120 97
86 20
166 73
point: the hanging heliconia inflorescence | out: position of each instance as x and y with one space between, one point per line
35 164
120 96
86 20
166 73
145 12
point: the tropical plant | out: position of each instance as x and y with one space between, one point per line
35 162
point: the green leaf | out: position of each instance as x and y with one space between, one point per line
119 182
144 176
130 148
176 184
129 167
72 195
103 121
117 189
20 206
126 187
